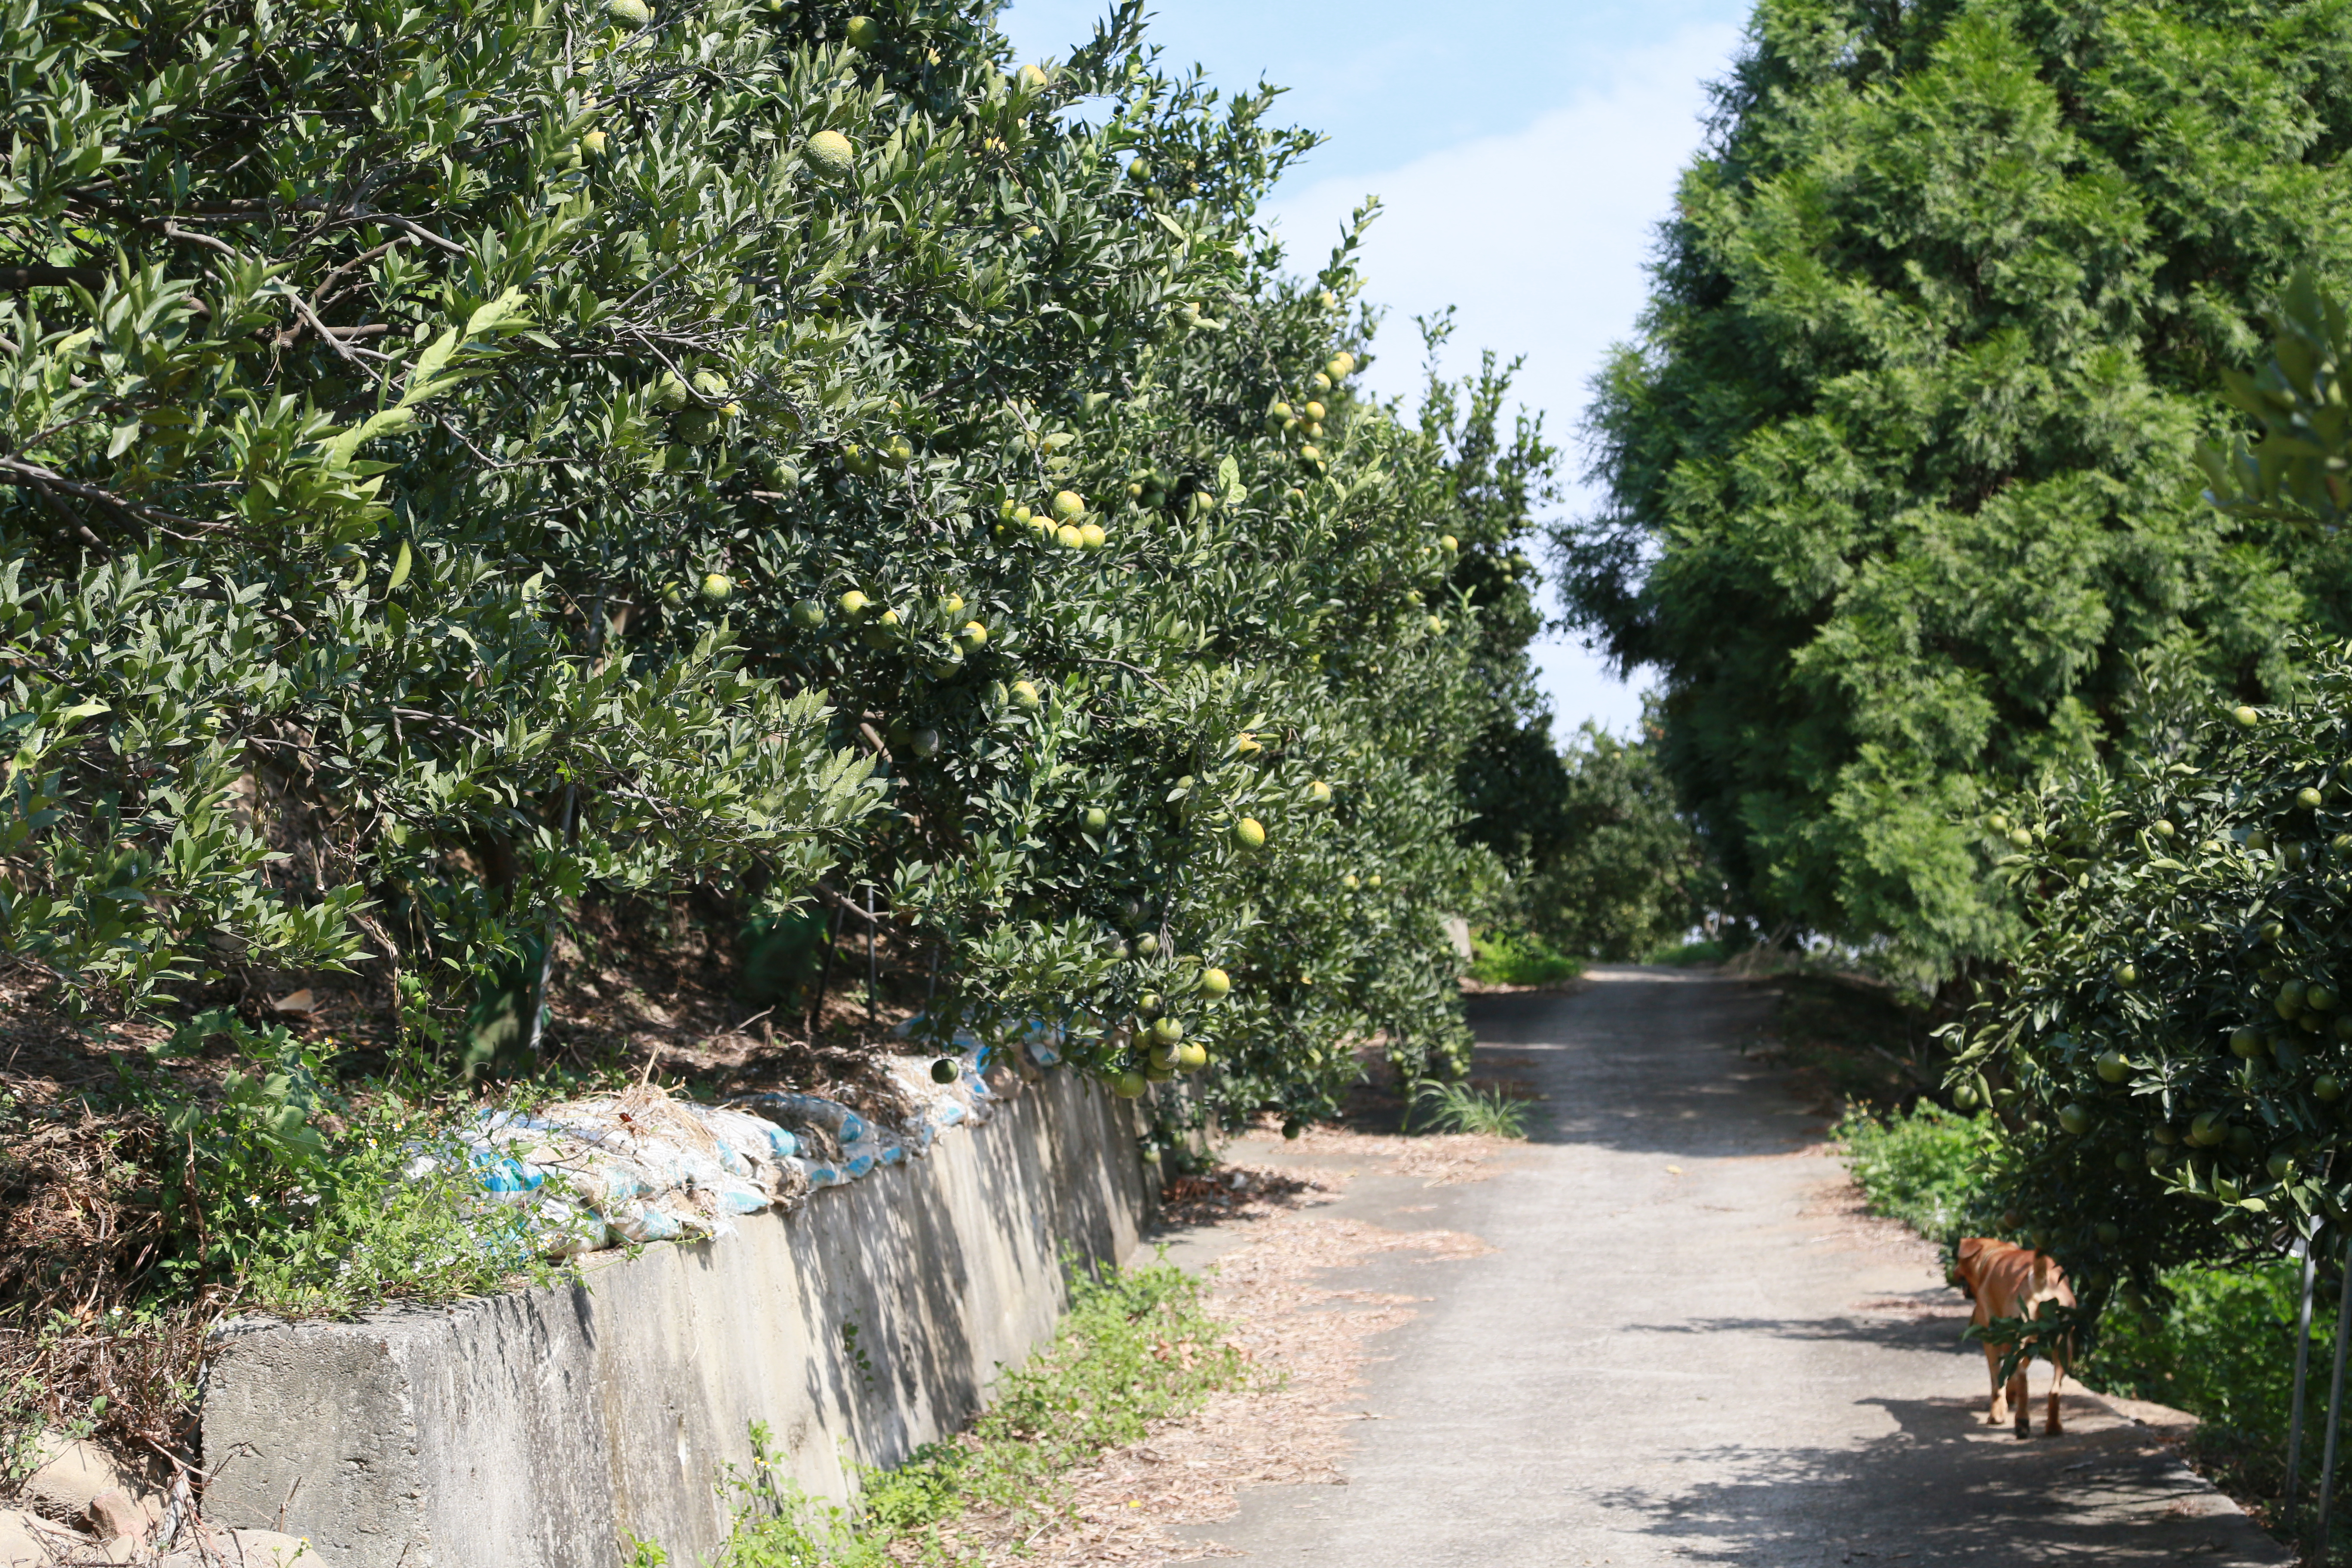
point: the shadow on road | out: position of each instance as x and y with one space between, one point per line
1930 1492
1940 1331
1646 1066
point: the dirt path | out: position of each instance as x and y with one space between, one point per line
1683 1346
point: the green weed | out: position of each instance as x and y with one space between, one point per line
1926 1169
1499 958
1458 1107
1135 1347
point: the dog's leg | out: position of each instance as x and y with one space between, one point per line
1999 1405
2019 1404
2051 1427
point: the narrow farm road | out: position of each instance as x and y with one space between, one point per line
1684 1348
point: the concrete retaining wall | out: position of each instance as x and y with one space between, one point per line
545 1429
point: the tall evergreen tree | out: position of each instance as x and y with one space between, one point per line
1899 473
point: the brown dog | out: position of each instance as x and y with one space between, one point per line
2007 1281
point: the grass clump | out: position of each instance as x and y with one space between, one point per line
1134 1348
1459 1108
1499 958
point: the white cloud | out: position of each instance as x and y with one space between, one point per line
1538 239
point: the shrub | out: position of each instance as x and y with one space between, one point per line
1925 1167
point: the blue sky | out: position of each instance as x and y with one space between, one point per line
1525 153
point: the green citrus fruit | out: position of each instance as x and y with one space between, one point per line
2126 975
711 384
1965 1097
671 392
2246 717
1311 453
1024 696
1250 833
1146 944
1166 1031
854 604
2208 1128
945 1070
1139 170
1319 793
858 460
1282 410
630 13
1192 1057
2327 1087
1147 1005
974 636
2281 1165
1342 365
829 155
696 426
1092 537
593 144
1997 822
2246 1043
2321 998
2163 829
1067 506
717 586
808 613
2020 838
1315 411
2108 1232
1246 745
1215 981
1033 78
2113 1068
2075 1118
1070 538
1349 881
863 32
1128 1085
1098 819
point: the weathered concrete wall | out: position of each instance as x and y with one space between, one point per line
545 1429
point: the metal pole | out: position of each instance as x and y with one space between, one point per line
2302 1368
2335 1406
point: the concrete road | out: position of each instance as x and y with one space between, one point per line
1712 1366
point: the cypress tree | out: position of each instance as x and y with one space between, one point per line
1899 472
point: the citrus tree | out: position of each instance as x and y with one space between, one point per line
464 461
